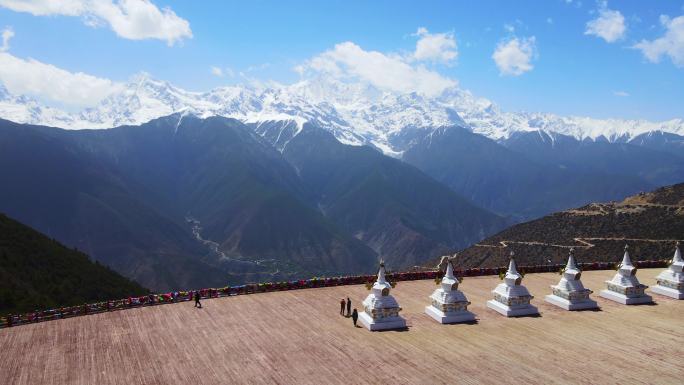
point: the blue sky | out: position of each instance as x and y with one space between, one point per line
570 65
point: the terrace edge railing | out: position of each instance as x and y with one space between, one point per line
182 296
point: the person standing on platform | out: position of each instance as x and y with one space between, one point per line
355 316
348 307
342 307
197 299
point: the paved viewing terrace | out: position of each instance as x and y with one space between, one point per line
299 337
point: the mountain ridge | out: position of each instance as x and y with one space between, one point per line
355 113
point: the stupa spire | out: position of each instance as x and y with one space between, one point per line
626 260
677 255
572 265
512 268
449 271
381 272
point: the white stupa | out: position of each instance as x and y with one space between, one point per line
380 309
510 297
449 305
671 281
625 287
569 293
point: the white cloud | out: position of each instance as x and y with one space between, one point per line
670 44
510 28
221 72
31 77
514 56
389 72
609 25
216 71
130 19
621 93
46 7
6 35
438 47
549 20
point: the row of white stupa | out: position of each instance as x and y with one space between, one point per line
511 298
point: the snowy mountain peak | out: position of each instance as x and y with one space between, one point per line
356 113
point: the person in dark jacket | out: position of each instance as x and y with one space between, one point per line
342 307
197 300
355 316
348 307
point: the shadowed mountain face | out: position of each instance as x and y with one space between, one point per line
72 194
182 202
242 193
519 181
391 206
131 196
655 159
37 272
650 223
661 141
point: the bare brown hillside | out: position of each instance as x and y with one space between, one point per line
650 223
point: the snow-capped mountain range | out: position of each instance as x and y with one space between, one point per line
355 113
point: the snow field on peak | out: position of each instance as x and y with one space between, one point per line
355 113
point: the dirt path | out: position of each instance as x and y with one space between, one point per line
582 243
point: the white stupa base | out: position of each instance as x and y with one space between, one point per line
510 311
668 291
567 305
372 325
623 299
449 318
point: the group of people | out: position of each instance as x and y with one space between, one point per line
347 305
344 304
